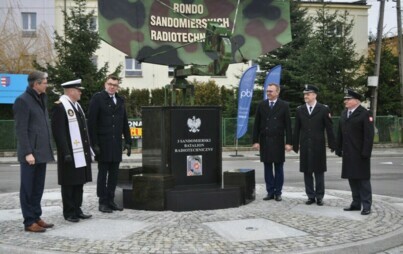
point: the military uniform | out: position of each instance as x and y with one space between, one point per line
354 143
309 140
70 177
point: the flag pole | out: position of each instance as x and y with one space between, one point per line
236 150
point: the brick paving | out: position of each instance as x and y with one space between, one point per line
185 232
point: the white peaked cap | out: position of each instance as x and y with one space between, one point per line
73 84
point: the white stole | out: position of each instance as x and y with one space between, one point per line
75 135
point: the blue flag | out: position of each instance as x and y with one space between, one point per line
244 99
272 77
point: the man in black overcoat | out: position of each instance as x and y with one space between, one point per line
107 122
311 121
272 135
70 133
354 144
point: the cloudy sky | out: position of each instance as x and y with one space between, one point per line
390 20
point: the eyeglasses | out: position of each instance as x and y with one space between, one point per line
111 84
270 91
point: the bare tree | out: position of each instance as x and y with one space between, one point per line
19 50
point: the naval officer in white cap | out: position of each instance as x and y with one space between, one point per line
70 133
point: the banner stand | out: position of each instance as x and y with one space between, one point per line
236 150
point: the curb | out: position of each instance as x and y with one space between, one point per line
373 245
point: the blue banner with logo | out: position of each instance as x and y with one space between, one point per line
272 77
11 86
244 99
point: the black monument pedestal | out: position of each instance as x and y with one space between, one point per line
243 178
203 197
182 164
124 188
149 191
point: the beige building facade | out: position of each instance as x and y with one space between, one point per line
358 12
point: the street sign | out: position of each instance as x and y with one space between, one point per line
171 32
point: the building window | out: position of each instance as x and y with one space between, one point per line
335 30
132 67
28 24
93 24
171 71
94 60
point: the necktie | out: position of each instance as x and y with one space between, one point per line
113 98
310 110
271 104
349 113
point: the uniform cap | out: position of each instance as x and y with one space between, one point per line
350 94
311 89
73 84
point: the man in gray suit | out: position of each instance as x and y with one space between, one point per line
33 148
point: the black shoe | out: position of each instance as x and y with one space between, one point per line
115 207
310 201
268 197
72 219
319 202
365 211
352 208
84 216
104 209
278 198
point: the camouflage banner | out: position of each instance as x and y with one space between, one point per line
170 32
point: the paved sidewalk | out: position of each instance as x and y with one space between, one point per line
288 226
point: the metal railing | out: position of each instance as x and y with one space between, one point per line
389 129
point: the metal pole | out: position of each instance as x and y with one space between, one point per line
374 96
400 48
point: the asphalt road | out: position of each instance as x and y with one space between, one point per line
387 175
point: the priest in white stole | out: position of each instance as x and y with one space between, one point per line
74 153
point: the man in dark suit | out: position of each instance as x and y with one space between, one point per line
70 133
272 134
311 121
34 148
355 139
107 123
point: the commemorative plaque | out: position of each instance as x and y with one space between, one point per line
182 153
